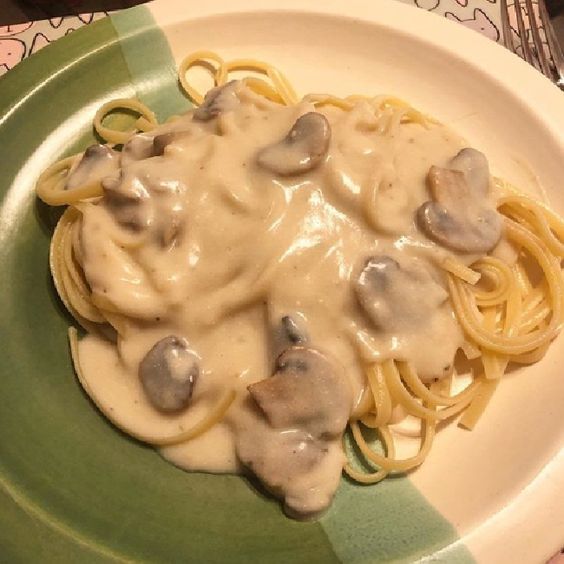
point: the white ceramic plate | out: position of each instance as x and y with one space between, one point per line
501 486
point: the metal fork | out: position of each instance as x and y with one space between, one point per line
546 57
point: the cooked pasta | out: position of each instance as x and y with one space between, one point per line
508 308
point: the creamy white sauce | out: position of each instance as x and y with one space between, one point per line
203 243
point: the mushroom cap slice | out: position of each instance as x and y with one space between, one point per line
308 392
296 467
292 331
303 148
372 285
97 163
138 147
288 331
460 216
475 167
479 236
144 146
217 100
126 201
293 452
162 141
168 373
395 296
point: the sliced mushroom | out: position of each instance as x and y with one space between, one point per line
303 409
395 296
217 100
97 162
293 333
167 230
303 148
139 147
162 141
288 454
143 146
288 331
372 287
168 373
126 202
460 216
308 392
293 465
474 165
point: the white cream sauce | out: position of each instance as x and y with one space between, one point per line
202 243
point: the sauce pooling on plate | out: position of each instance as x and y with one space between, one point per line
274 251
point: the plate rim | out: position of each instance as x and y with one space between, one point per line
504 68
509 72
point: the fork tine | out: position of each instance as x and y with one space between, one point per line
523 34
553 45
507 32
534 26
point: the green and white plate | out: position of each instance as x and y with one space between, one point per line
75 489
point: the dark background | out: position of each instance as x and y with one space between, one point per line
20 11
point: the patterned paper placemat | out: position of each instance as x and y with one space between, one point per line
21 40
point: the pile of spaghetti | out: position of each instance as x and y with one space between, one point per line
510 312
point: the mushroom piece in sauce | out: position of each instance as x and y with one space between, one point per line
97 162
288 331
162 141
138 147
217 100
460 216
168 373
288 464
303 148
294 447
306 392
143 146
395 296
126 202
293 333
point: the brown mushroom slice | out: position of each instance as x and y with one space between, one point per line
474 165
143 146
97 162
287 454
303 148
288 331
395 296
460 216
308 392
162 141
478 236
139 147
126 202
371 287
294 466
294 334
168 373
218 100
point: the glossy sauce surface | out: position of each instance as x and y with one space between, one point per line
206 242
